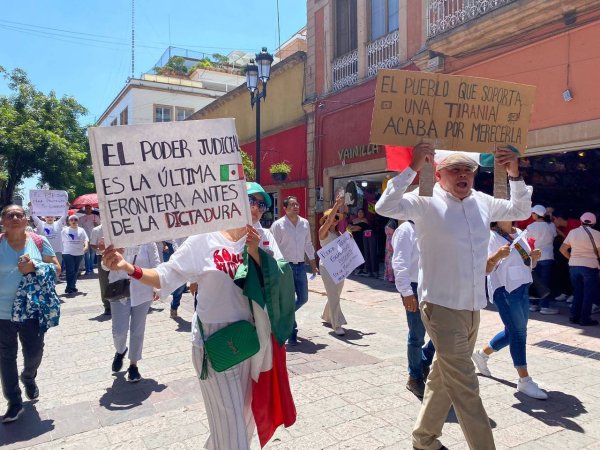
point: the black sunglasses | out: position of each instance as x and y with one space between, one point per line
258 203
13 215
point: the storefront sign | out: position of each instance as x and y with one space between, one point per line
45 202
168 180
348 154
449 111
340 257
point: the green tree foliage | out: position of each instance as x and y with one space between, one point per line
40 135
249 169
174 66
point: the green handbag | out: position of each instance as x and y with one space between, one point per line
228 346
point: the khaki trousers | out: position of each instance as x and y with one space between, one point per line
452 380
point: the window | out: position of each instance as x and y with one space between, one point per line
114 122
183 113
346 37
384 17
124 117
163 113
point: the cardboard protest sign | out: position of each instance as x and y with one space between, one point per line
168 180
340 257
450 111
45 202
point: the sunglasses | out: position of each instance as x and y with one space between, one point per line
262 206
14 215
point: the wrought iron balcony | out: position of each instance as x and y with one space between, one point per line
383 53
444 15
345 70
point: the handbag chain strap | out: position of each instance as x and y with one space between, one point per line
593 242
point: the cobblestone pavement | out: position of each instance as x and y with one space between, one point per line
349 391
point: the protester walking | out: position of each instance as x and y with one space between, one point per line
508 271
405 262
582 248
97 243
50 228
129 314
212 260
332 314
292 234
452 232
75 244
21 254
543 234
88 221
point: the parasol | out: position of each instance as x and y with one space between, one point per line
84 200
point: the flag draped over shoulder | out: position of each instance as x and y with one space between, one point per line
271 291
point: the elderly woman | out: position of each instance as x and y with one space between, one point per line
19 254
332 314
211 260
582 248
508 268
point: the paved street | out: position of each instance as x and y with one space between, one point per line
349 391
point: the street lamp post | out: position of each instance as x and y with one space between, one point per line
258 69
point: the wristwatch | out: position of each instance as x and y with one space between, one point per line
518 178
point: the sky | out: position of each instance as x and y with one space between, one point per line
83 48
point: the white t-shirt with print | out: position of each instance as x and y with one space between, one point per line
73 240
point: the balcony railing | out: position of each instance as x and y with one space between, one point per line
345 70
383 53
443 15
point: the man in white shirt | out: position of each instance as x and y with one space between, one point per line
97 243
88 221
405 262
292 234
452 232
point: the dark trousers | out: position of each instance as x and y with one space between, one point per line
585 289
370 254
32 346
72 268
103 280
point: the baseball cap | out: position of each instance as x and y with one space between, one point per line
74 217
255 188
588 218
539 210
457 159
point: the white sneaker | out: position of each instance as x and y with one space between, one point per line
480 359
561 298
531 389
595 309
549 311
339 331
534 308
570 299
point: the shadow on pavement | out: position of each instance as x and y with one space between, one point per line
183 326
500 380
374 283
123 395
101 318
352 335
28 427
305 346
153 310
557 410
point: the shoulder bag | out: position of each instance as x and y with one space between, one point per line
120 289
593 243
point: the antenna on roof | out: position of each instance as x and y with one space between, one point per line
132 38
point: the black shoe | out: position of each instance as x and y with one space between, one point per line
133 374
31 389
13 413
574 321
416 386
117 364
292 340
107 312
588 322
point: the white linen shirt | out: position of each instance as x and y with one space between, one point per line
96 237
51 232
544 234
582 251
405 260
294 241
511 272
88 222
453 236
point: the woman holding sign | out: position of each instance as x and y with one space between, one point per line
212 260
332 314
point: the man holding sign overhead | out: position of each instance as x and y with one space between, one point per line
452 231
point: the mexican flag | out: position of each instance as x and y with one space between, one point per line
232 172
273 310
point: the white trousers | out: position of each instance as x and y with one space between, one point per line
228 400
333 311
126 318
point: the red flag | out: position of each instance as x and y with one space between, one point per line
272 402
398 158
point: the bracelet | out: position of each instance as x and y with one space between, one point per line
517 178
137 273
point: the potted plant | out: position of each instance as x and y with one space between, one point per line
279 171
